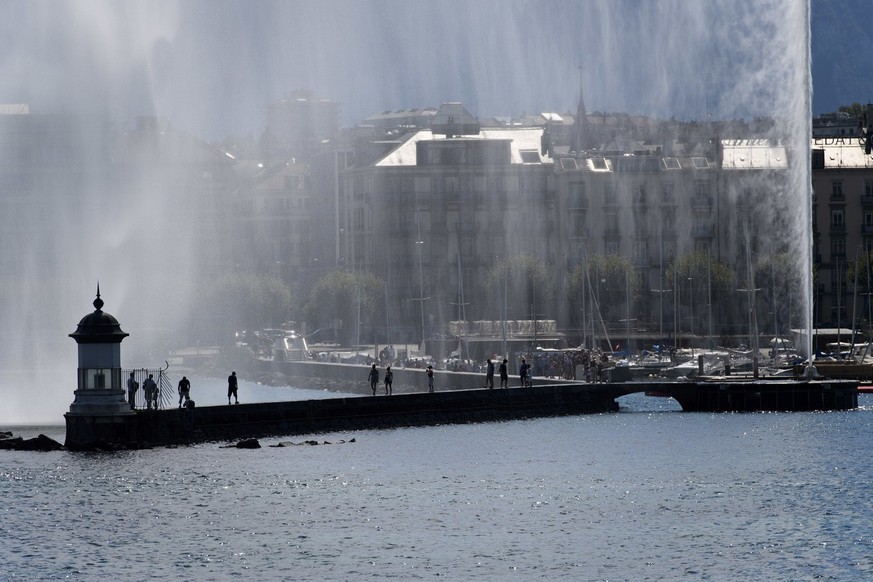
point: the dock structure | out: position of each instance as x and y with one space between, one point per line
305 417
100 416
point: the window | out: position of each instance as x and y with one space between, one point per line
838 218
641 250
838 279
640 194
837 190
612 247
578 223
529 157
868 188
599 164
668 221
667 193
578 196
467 246
838 247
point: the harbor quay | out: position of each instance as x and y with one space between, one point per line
306 417
101 415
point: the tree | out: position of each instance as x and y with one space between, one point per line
528 284
700 278
782 291
864 269
612 279
855 109
240 301
349 303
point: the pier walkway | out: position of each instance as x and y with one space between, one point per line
175 426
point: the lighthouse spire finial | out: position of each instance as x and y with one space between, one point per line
98 303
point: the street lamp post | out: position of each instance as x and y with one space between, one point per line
753 319
420 244
691 305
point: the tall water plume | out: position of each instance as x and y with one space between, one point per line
88 196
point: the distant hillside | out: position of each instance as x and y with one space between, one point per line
842 53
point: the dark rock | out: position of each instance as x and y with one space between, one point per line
5 434
283 444
40 443
248 444
11 444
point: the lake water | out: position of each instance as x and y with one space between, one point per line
649 493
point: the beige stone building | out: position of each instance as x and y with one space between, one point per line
842 179
434 214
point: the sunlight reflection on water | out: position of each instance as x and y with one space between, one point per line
642 494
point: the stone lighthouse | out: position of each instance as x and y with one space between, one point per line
99 415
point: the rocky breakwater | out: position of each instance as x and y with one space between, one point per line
10 442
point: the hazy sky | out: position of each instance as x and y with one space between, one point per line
210 66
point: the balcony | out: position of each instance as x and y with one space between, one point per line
701 203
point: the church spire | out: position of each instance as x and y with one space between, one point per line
582 138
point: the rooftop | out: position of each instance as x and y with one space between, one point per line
524 145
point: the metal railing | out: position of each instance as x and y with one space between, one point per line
166 395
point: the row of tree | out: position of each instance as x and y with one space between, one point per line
349 307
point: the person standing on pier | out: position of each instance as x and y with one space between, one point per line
151 392
504 373
132 387
522 373
389 380
184 390
430 378
489 374
374 379
232 387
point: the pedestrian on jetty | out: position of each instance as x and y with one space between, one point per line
430 378
374 379
151 392
132 387
389 379
504 373
232 386
522 373
184 390
489 374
